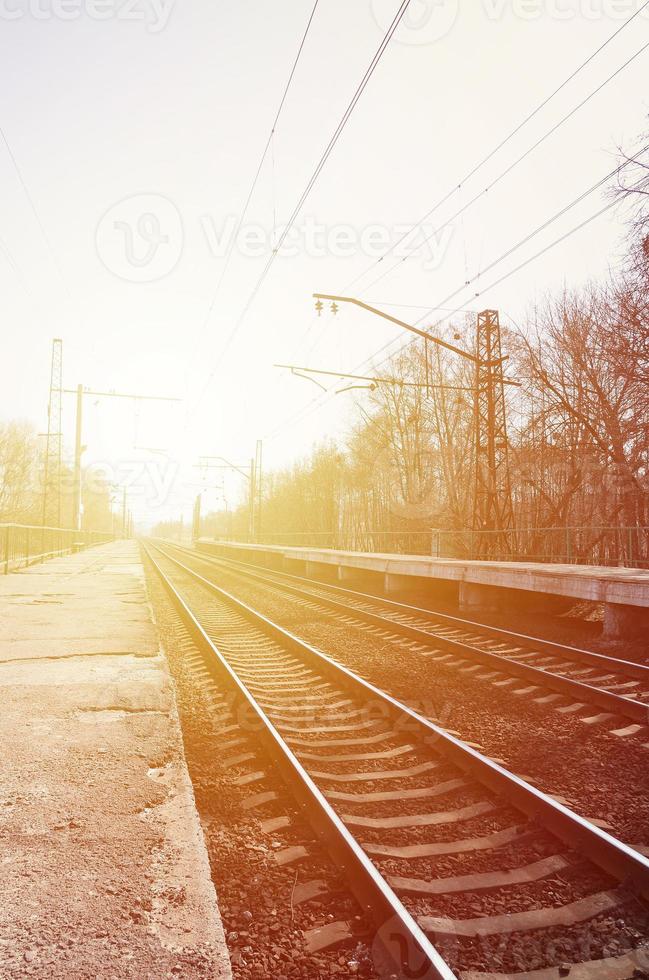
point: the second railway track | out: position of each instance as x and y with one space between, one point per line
462 865
568 678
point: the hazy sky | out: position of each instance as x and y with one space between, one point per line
136 127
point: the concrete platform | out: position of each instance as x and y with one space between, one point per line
481 585
103 868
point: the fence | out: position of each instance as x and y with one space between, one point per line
628 546
25 544
613 546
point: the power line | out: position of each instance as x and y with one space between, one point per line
531 258
547 248
35 212
492 152
478 166
535 232
511 166
332 142
310 407
11 261
255 179
311 183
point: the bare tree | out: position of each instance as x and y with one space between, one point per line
632 189
18 463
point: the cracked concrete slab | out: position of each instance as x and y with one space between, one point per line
103 866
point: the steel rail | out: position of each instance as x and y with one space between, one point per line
639 671
613 856
617 704
370 888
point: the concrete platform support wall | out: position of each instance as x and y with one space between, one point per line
491 599
625 622
344 573
294 566
398 584
503 587
321 570
479 598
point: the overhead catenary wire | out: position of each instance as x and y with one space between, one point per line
36 213
309 186
11 261
507 170
321 399
503 142
523 241
506 254
255 179
507 275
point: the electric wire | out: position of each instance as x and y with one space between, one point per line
503 142
320 399
309 187
523 241
35 212
255 180
504 173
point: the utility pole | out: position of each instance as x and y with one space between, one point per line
251 501
258 474
492 507
78 450
53 446
123 512
80 392
252 476
492 503
196 523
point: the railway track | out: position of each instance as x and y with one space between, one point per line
565 678
465 869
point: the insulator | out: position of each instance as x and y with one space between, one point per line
334 308
319 304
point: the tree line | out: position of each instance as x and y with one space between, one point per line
22 457
578 435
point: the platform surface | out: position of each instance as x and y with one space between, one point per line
595 583
103 868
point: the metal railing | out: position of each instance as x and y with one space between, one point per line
609 546
612 546
26 544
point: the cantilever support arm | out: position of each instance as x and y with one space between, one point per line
406 326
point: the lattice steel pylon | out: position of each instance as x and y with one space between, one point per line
492 509
53 446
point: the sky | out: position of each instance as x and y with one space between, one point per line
132 130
